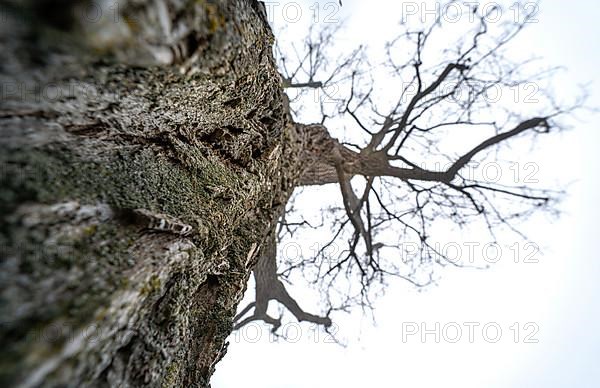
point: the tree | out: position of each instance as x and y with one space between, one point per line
148 155
456 91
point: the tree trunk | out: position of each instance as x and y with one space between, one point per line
120 131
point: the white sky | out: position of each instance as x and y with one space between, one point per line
557 295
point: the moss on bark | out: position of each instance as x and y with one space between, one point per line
91 295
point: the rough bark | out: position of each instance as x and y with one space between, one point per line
171 115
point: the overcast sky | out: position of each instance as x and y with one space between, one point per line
548 311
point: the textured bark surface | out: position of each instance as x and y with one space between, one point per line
177 109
